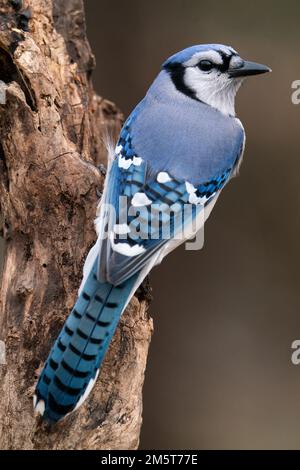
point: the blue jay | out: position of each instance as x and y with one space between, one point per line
179 147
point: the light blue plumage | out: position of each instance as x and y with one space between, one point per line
186 154
176 151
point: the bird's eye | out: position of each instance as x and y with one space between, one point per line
205 65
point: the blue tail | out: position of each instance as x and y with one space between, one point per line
74 361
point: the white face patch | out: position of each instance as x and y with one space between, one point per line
213 56
40 407
213 88
163 177
140 199
229 50
236 61
121 229
125 249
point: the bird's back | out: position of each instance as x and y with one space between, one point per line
193 140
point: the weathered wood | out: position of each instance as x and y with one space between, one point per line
51 130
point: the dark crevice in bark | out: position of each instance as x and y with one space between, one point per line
3 168
16 4
8 70
9 73
144 292
16 38
23 19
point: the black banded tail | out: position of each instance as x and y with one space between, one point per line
74 361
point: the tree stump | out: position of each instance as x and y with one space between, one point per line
51 155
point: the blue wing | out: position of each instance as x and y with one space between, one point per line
152 211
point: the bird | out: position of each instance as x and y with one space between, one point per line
176 152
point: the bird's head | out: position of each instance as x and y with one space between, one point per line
211 73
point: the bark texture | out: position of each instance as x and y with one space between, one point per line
51 151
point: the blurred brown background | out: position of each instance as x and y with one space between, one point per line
219 373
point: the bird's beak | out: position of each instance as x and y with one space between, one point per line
248 68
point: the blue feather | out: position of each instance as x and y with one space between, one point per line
173 152
81 346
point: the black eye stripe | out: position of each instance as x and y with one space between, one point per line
226 61
176 71
221 67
